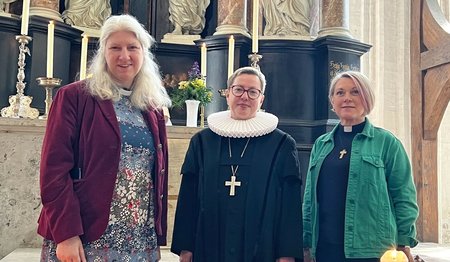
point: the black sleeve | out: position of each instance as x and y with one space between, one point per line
289 233
186 214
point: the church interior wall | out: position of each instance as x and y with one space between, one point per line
444 161
382 24
444 178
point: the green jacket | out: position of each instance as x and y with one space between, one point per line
381 208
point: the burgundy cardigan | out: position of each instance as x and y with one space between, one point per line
83 131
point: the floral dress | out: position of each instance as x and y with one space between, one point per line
130 234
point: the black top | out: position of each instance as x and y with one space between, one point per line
232 208
332 187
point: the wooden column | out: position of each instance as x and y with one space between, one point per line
430 94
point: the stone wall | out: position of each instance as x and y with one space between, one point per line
20 146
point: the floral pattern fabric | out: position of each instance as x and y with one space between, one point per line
130 234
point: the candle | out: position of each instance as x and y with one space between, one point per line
50 44
83 62
255 26
203 60
230 56
25 17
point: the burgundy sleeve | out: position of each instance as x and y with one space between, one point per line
61 209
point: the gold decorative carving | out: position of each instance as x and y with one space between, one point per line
338 67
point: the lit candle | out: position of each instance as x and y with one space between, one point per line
25 17
255 26
83 62
203 60
50 44
230 56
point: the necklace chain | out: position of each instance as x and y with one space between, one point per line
235 169
243 151
233 183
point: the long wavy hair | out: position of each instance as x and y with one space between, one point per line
148 90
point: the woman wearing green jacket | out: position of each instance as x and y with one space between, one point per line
360 198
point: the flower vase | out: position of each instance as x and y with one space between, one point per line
191 112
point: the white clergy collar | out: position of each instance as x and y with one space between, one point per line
125 92
222 124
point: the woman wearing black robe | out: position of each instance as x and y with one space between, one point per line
240 196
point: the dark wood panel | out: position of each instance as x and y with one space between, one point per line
65 37
9 53
176 60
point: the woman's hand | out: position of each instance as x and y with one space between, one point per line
307 255
158 249
70 250
185 256
407 251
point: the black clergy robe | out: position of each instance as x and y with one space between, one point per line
262 222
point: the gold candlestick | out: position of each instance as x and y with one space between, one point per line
254 59
20 103
202 116
222 92
48 83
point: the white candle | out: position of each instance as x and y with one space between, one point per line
203 60
83 62
255 26
50 44
230 56
25 17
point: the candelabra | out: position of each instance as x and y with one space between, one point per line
48 83
20 103
254 59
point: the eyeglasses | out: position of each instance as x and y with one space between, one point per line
238 91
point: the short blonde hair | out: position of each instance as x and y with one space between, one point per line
248 70
362 83
148 90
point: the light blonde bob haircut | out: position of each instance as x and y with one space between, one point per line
148 90
362 83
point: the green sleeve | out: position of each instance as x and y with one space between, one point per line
307 202
402 191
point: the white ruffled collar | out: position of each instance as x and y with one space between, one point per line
222 124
